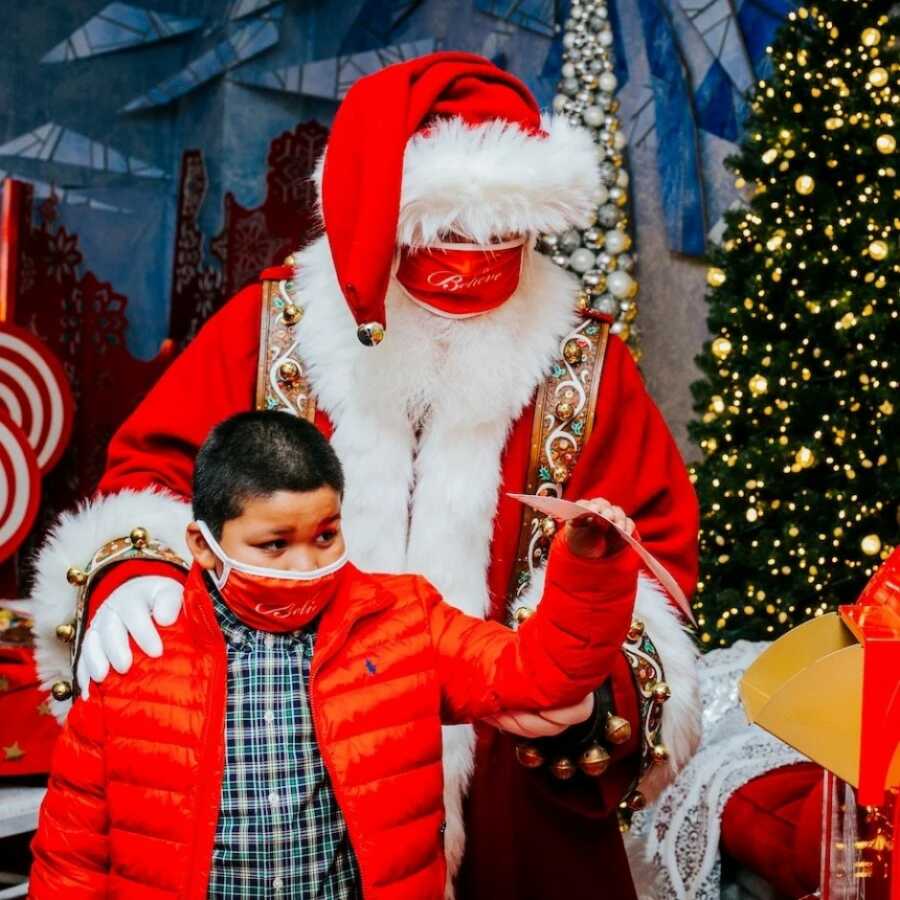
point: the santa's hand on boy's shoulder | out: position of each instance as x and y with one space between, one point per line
594 537
133 609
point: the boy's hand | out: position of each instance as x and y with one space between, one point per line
593 537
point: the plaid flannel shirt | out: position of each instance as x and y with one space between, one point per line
280 831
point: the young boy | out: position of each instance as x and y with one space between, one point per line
288 742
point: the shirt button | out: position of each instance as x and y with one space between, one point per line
269 716
270 641
273 798
278 883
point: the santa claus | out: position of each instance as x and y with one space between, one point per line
451 364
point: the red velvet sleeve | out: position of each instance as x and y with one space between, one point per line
631 460
214 378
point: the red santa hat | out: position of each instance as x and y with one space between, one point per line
444 143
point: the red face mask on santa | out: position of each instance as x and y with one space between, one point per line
273 599
459 281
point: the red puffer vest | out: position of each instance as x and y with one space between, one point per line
134 794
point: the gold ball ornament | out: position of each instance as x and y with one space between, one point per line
61 690
559 474
660 754
573 352
759 384
871 545
565 411
291 314
564 768
635 631
715 277
878 250
76 577
618 729
289 372
594 761
878 77
870 37
805 184
661 691
721 347
529 756
886 143
65 632
636 802
548 527
139 538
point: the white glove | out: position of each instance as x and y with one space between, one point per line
130 609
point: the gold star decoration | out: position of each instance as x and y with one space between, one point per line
13 751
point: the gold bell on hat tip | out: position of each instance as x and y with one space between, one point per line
618 730
62 690
371 334
76 576
139 538
523 614
529 756
594 761
291 314
65 632
564 768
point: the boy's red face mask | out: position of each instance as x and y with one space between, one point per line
458 280
274 599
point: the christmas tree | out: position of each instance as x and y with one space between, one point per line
797 413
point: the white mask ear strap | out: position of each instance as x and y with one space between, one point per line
219 553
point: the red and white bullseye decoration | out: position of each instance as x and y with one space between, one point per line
36 413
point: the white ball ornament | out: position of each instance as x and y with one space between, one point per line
622 179
619 140
605 37
593 116
601 195
568 70
620 284
617 241
608 82
582 260
559 103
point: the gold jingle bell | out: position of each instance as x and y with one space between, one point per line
529 756
635 802
548 527
661 691
564 411
291 314
564 768
594 761
289 372
139 538
523 614
572 352
636 631
371 334
65 632
618 730
660 753
76 576
62 690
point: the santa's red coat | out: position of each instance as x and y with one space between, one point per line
527 835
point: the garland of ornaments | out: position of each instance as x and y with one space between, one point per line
599 254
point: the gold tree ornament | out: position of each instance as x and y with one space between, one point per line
871 545
759 384
805 184
878 250
721 347
871 37
715 277
878 77
886 143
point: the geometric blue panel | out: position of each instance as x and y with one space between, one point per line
677 153
53 143
720 30
244 42
330 79
535 15
759 21
715 102
116 27
241 8
374 24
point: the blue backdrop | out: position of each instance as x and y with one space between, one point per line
99 100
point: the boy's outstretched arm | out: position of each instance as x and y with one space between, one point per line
564 651
71 847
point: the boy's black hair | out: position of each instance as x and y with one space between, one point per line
255 454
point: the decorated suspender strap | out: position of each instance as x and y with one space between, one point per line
281 382
563 419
